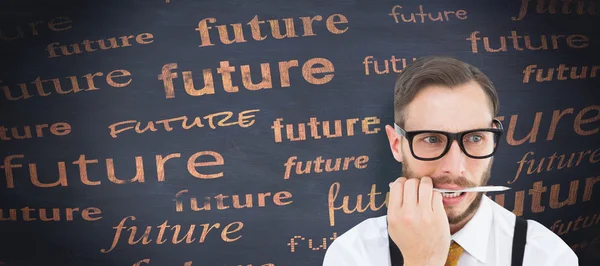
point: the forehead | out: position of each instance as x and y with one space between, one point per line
449 109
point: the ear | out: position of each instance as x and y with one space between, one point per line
395 141
497 123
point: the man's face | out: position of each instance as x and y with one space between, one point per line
452 110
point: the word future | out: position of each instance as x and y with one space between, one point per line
386 64
320 66
195 161
574 41
29 214
280 198
305 167
325 129
214 120
173 235
562 73
460 14
20 32
43 87
566 8
56 129
143 38
290 29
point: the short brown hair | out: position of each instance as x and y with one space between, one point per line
437 70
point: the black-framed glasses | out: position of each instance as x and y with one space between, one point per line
429 145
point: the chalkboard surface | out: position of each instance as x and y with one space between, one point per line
171 132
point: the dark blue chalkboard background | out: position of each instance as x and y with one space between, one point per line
253 161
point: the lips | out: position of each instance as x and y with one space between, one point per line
451 194
449 186
452 198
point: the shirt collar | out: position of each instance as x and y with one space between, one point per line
473 237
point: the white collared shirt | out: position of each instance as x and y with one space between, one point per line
486 239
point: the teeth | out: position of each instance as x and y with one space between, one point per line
451 194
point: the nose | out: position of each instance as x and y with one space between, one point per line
453 162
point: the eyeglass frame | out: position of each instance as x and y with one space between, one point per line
409 135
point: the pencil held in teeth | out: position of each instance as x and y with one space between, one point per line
475 189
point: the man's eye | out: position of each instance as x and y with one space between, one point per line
475 138
431 139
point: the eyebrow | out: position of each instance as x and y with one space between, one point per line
446 130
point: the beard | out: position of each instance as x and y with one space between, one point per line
461 181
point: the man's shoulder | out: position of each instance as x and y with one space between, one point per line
535 230
540 239
543 240
370 229
364 241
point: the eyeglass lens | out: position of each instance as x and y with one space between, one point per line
431 145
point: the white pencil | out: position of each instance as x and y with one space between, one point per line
475 189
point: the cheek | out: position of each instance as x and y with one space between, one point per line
420 168
476 170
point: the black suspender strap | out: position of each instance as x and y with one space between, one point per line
518 247
519 240
395 254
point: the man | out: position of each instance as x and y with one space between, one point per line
445 137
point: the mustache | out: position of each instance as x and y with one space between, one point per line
460 181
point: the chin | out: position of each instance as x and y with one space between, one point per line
454 213
458 213
455 217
